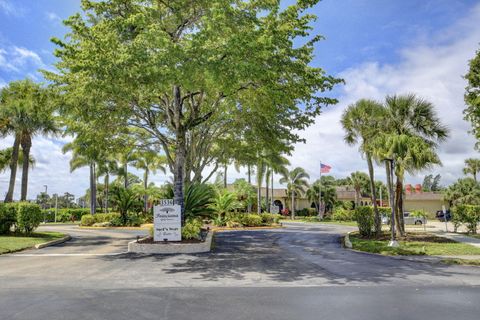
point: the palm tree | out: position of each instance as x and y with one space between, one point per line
362 122
472 166
409 154
25 113
413 124
6 158
328 190
85 154
297 183
107 167
276 163
149 161
358 181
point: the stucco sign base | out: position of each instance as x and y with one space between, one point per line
171 247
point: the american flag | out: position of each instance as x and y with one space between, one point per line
324 168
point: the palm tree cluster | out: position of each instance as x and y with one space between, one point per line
401 133
25 112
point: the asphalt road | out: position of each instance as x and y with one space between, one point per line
300 272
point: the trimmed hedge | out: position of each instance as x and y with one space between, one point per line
65 215
8 217
114 219
270 218
341 214
251 220
29 216
365 218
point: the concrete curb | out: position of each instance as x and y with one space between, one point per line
346 241
172 248
53 242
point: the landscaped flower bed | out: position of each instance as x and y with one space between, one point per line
412 244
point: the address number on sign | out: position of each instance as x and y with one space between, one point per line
166 202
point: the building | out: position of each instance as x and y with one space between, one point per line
431 202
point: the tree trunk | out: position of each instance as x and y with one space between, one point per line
357 198
267 190
13 170
26 146
399 208
125 169
225 176
475 176
378 221
391 197
93 189
293 205
271 177
401 225
249 174
180 152
145 196
259 198
107 182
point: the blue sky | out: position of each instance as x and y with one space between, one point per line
379 47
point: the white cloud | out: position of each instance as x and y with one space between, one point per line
53 17
433 71
9 9
18 59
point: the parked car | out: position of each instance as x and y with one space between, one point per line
440 215
409 219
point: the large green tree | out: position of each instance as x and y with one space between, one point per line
362 122
169 67
472 95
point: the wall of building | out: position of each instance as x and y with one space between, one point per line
431 206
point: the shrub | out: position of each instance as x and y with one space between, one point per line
8 217
251 220
365 220
192 229
341 214
87 220
29 216
270 218
301 212
469 215
313 219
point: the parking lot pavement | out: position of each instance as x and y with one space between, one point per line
88 241
299 272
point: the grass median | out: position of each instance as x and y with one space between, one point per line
413 244
17 242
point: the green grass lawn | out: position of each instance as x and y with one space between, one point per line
414 244
342 223
12 243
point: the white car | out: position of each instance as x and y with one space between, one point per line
408 219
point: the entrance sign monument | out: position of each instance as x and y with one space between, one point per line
167 221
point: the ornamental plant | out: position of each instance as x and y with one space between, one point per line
29 216
365 220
